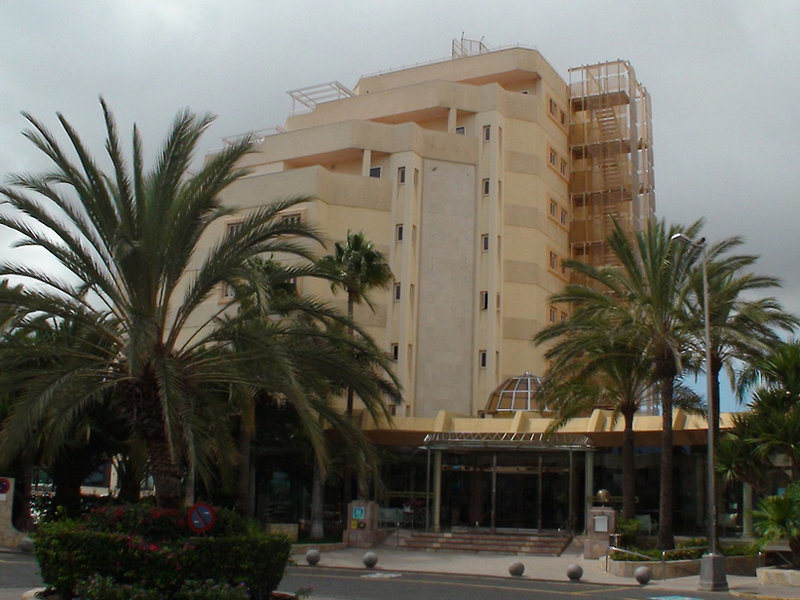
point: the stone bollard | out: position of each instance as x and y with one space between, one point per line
574 572
313 556
516 569
642 575
370 559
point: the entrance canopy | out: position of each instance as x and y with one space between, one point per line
507 441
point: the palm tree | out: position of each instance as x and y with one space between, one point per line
129 242
740 326
644 298
592 366
357 268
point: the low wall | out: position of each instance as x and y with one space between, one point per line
775 576
734 565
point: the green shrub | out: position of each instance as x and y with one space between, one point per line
71 552
628 530
105 588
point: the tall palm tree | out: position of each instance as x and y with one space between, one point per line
741 326
644 297
129 241
357 268
592 366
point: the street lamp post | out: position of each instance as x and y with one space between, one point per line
712 566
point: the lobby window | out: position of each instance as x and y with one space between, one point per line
397 292
461 130
398 232
482 360
485 242
395 351
375 172
484 300
487 133
485 187
401 175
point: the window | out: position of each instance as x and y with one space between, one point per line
563 217
485 242
397 292
553 107
485 187
563 316
395 351
416 176
563 167
484 300
228 291
482 358
553 159
233 228
398 232
497 300
292 219
487 133
553 314
553 208
461 130
563 118
553 260
401 175
375 172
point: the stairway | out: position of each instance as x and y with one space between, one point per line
542 544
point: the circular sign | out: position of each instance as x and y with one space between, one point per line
201 517
5 485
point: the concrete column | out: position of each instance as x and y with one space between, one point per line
437 490
747 510
589 488
452 120
366 162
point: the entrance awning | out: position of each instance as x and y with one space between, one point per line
507 441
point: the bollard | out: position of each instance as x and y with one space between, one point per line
313 556
370 559
642 575
574 572
516 569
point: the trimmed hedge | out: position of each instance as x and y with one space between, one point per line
71 553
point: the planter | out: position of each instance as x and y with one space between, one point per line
734 565
775 576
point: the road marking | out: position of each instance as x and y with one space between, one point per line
431 580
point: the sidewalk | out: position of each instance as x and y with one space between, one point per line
548 568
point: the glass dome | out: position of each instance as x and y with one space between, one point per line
519 393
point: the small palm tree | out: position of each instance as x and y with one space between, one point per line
129 241
356 267
778 517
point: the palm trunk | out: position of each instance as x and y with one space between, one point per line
628 470
666 539
243 488
317 503
148 422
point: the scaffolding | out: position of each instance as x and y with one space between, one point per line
612 178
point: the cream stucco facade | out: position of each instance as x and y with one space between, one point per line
459 172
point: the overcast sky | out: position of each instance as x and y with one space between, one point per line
724 78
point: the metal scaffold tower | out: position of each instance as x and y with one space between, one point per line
612 177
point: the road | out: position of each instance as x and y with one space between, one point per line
345 584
